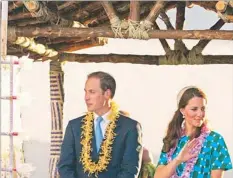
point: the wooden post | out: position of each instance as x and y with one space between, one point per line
3 25
57 101
134 10
180 18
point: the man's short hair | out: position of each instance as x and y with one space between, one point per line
106 81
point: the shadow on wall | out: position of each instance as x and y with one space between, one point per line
37 153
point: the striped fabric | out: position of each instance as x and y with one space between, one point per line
57 100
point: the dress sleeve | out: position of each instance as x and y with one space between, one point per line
162 159
220 156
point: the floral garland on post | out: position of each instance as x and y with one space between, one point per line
190 163
105 151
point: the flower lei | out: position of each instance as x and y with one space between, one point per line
106 148
190 163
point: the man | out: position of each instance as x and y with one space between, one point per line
103 142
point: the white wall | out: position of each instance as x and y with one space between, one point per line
148 93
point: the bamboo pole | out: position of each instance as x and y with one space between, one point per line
54 31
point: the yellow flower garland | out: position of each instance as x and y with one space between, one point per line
106 148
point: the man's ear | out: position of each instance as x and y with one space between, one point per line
108 94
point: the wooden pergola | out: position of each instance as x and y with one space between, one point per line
51 30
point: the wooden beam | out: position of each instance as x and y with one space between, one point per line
70 7
166 20
112 58
135 59
14 5
134 10
231 3
31 45
111 13
180 15
169 25
18 16
75 46
163 42
27 22
221 6
65 5
226 18
208 5
49 41
203 43
32 6
37 9
54 31
220 59
84 12
122 9
120 58
155 11
180 18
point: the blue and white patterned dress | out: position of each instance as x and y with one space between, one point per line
214 155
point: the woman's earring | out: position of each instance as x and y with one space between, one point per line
183 124
109 102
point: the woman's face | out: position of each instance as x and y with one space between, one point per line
194 112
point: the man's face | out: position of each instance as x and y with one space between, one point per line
96 99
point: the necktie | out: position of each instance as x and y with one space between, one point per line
98 133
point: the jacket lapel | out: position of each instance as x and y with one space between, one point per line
95 155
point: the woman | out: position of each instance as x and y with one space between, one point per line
191 149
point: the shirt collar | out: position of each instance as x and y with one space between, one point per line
105 116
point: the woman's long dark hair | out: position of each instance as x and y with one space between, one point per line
174 127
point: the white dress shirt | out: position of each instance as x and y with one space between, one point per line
104 123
